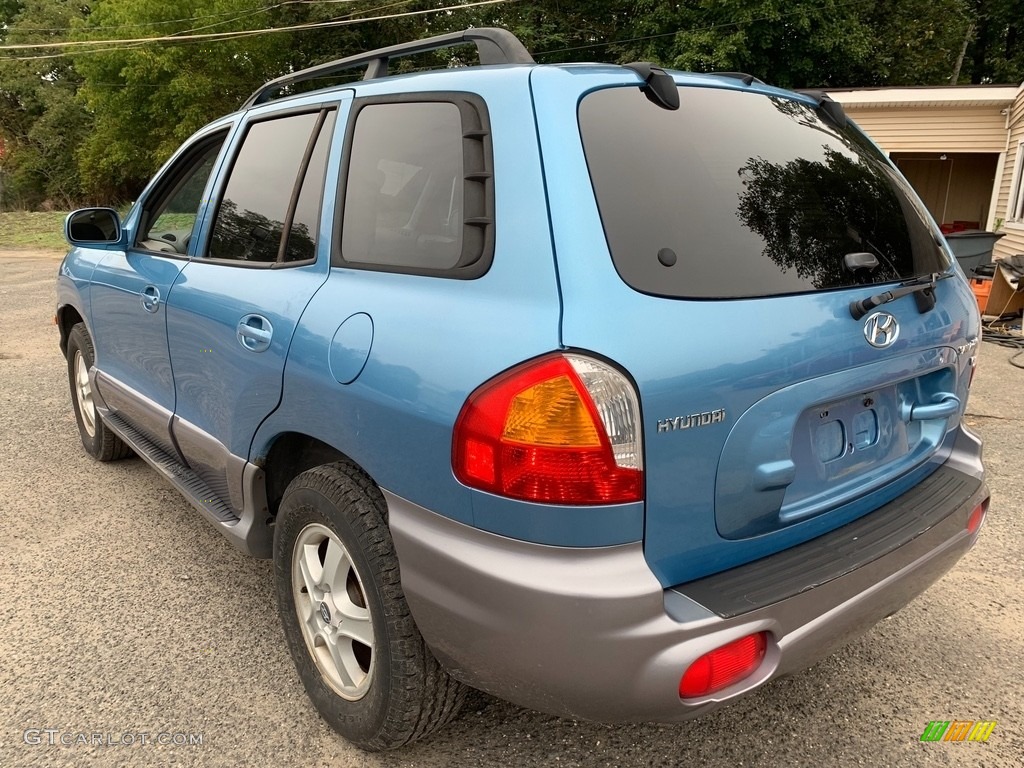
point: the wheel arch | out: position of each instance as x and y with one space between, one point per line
67 318
290 454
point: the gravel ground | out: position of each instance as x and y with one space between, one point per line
124 614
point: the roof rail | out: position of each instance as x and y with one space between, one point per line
747 79
829 106
493 44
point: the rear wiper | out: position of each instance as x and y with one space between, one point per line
924 287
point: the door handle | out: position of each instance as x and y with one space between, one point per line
942 406
151 298
255 333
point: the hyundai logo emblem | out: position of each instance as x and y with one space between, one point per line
881 330
325 613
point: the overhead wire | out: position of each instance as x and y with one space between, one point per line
218 36
261 9
137 46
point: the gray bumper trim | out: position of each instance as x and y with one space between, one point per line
915 523
590 633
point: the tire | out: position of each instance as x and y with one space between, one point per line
379 694
98 440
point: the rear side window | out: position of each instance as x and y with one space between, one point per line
739 194
417 195
271 203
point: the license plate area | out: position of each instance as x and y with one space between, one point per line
818 445
860 441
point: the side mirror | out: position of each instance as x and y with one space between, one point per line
91 226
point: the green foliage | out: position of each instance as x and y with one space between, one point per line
916 42
41 120
996 53
146 101
97 123
786 43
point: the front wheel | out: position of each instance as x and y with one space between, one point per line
351 635
97 438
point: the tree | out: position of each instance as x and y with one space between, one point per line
917 42
996 51
40 119
147 99
97 121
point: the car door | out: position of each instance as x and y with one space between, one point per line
232 310
130 289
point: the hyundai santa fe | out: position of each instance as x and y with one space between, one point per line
612 391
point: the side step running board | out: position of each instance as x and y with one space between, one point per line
181 477
244 532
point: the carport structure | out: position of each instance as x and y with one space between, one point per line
951 142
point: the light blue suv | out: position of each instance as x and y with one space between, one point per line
611 391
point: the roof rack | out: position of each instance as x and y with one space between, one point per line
829 106
747 79
493 44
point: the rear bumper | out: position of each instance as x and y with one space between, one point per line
590 633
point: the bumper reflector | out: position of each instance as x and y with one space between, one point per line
723 666
977 517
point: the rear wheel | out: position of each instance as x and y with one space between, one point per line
355 645
97 438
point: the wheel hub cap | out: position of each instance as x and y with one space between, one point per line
331 607
83 393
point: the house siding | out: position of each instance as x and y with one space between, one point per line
933 129
1013 242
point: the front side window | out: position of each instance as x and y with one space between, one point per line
418 189
268 214
168 223
739 194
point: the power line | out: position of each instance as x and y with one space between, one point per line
263 9
184 41
216 36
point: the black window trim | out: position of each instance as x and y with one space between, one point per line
322 109
476 127
171 183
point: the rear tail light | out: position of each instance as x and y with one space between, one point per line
723 666
977 517
561 429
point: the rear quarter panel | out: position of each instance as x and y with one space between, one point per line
434 339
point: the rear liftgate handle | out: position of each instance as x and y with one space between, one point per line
255 333
942 406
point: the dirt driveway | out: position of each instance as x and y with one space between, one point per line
123 615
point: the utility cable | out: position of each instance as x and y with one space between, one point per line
215 36
261 9
1004 337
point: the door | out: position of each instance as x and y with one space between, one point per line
232 310
130 290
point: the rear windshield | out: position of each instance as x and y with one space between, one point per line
739 194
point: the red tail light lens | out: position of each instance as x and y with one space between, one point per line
977 517
723 666
562 429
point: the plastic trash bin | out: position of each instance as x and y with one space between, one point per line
973 247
